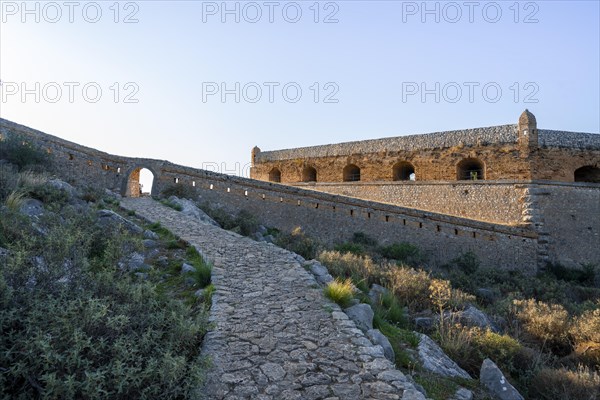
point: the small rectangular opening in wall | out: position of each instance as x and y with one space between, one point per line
246 193
49 150
387 218
71 157
176 180
456 231
89 163
281 199
351 213
298 202
474 235
333 208
438 228
228 190
211 187
194 183
105 167
420 224
263 196
317 205
403 222
118 170
368 215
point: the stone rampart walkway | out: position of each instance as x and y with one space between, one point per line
275 334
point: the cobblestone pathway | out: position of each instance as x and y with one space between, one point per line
275 334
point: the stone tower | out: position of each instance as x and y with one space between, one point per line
528 133
255 152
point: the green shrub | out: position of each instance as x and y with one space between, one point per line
247 222
584 276
363 238
340 292
73 325
349 247
403 252
172 205
299 243
19 151
400 339
468 262
410 286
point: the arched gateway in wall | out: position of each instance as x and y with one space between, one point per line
134 186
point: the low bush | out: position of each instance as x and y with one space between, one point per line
548 324
340 292
404 252
467 262
74 325
364 239
348 265
299 243
349 247
581 383
247 222
20 152
202 275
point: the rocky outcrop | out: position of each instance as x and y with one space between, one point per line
110 218
379 338
495 383
190 209
434 359
362 315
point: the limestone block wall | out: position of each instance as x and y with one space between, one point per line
549 235
492 201
334 218
567 218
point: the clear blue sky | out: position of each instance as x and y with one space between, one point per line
374 55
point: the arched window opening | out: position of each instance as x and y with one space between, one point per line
351 173
309 174
275 175
140 183
470 169
404 171
587 174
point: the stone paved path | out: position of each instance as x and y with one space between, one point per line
275 334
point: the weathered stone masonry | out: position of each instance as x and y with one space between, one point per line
330 217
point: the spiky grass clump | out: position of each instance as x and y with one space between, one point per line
341 292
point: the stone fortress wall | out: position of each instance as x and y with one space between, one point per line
524 244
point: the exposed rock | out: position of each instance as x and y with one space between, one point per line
187 268
189 208
472 316
435 360
150 244
413 394
319 271
32 208
61 185
425 323
109 217
462 394
362 315
495 383
269 239
379 338
112 195
133 262
153 253
199 293
376 293
262 229
3 253
148 234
